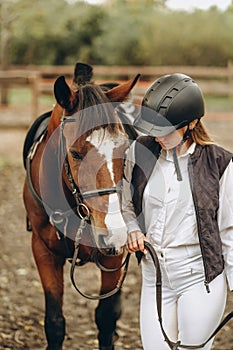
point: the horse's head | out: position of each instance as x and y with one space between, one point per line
93 143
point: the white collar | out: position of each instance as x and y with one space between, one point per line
167 154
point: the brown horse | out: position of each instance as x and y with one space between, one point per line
72 199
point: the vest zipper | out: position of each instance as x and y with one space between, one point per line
206 283
207 286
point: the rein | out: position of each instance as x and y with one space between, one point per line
84 219
172 345
125 265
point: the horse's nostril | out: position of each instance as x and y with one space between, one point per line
111 251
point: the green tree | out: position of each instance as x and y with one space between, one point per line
54 32
117 32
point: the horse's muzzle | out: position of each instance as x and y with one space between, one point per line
111 251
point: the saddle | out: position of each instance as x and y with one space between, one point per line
37 129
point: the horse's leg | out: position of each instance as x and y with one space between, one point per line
107 313
108 310
50 268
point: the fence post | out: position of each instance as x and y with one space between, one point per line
34 84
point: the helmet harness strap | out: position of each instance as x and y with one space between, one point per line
176 163
174 151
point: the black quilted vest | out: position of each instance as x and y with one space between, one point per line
206 166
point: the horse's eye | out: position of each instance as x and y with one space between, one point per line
75 154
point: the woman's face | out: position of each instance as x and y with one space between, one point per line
174 139
171 140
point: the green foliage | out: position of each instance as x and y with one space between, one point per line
54 32
118 32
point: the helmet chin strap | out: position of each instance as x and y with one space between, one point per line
174 152
176 163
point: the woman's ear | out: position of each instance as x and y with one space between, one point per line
193 123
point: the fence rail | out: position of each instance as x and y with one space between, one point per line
40 79
119 71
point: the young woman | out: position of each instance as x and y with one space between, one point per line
178 195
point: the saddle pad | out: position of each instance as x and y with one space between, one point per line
38 127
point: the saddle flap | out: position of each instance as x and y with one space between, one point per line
38 128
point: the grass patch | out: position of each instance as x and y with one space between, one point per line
8 163
23 96
219 103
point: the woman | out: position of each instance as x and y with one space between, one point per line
178 195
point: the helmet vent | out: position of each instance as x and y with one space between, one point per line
162 110
173 92
166 102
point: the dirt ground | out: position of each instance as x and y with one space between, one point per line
22 303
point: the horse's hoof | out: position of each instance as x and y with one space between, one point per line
110 347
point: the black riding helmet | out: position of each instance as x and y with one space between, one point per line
171 102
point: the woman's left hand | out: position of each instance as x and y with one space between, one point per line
136 242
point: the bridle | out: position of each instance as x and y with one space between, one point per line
175 345
63 159
59 217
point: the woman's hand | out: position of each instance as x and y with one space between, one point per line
136 242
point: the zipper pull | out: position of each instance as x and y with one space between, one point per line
207 286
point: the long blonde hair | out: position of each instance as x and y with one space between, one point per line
200 135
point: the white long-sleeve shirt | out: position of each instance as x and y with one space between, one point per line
168 207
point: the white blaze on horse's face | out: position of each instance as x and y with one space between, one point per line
105 144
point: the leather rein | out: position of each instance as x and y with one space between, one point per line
175 345
58 217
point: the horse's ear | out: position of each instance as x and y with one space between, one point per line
63 93
82 73
119 93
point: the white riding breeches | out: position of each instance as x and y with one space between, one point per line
189 313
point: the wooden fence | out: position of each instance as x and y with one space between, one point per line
40 79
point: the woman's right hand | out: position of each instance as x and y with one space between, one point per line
136 242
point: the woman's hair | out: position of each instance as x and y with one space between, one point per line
200 135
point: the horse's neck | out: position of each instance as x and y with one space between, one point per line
51 183
50 161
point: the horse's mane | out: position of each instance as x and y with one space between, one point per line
94 111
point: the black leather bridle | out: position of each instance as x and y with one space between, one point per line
75 189
57 215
